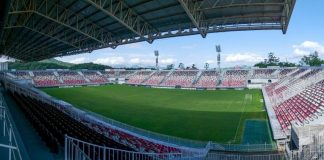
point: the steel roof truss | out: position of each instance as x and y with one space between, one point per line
195 16
64 17
125 16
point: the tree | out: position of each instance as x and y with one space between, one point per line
206 65
90 66
271 61
287 64
181 65
312 59
34 66
45 65
193 66
261 65
170 66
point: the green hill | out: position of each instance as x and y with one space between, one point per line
55 61
55 64
34 66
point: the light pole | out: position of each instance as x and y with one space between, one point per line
156 53
218 50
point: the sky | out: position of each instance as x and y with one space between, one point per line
305 34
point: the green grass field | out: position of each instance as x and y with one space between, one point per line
200 115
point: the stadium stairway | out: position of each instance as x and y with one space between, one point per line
250 74
31 73
220 78
99 73
301 74
36 149
81 74
196 79
290 73
275 74
58 77
131 74
56 74
166 77
148 77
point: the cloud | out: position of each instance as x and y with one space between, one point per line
78 60
168 61
141 61
151 61
244 57
210 61
3 59
307 47
135 60
6 59
114 60
134 46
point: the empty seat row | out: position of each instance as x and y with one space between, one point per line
52 124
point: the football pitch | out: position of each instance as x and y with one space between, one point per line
209 115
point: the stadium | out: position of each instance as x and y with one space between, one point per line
235 113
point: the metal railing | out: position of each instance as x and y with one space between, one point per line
77 149
233 156
242 147
7 132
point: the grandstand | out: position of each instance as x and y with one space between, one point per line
45 79
71 78
181 78
235 78
156 78
139 77
94 77
294 98
207 79
263 73
229 78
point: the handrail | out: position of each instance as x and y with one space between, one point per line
7 128
77 146
115 149
8 146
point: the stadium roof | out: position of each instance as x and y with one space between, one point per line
40 29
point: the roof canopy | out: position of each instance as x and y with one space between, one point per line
40 29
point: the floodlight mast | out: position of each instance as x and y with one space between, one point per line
156 53
218 50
